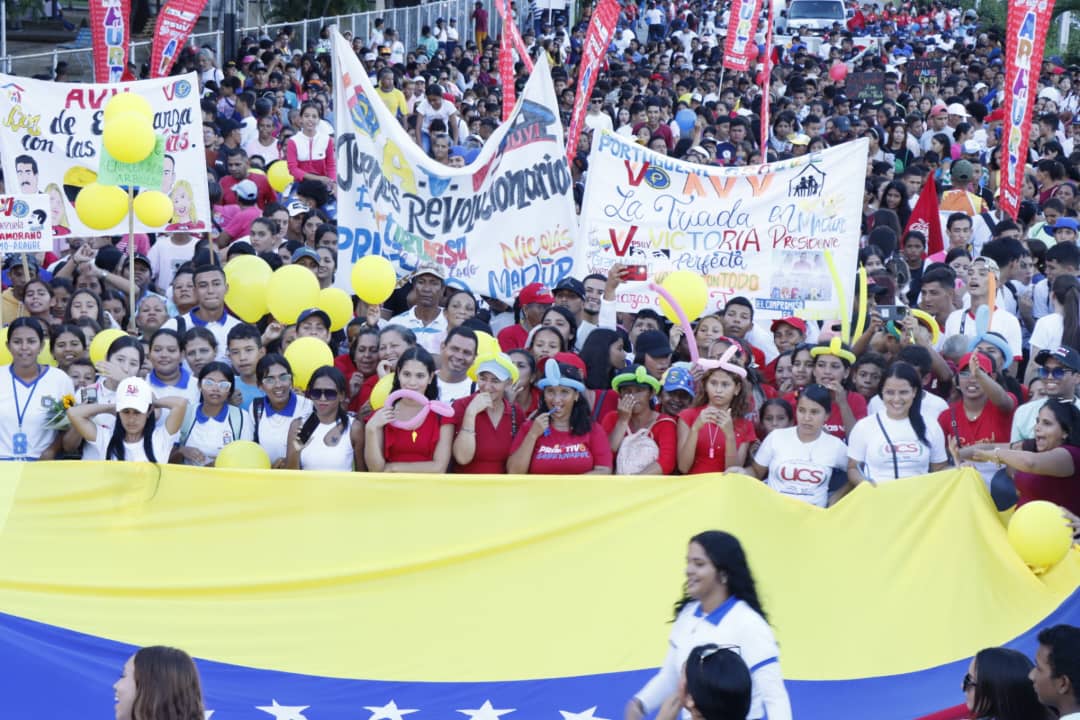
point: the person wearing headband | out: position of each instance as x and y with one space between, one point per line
561 438
488 414
714 434
643 440
832 364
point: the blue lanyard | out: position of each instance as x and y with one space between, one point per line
20 413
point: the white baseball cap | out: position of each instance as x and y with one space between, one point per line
134 393
958 109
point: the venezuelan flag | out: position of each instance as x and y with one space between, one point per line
307 596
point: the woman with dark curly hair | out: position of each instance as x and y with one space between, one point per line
719 605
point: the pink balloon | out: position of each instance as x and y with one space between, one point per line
426 406
838 72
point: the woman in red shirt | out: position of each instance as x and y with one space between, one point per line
423 449
714 435
983 414
490 415
310 153
643 440
561 439
359 367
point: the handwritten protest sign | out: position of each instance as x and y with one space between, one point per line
923 71
866 86
497 225
759 231
144 174
50 140
24 226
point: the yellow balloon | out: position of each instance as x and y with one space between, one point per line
247 277
278 175
99 348
305 356
153 208
1039 535
243 455
486 344
129 137
689 291
101 207
128 102
373 279
381 391
291 290
338 305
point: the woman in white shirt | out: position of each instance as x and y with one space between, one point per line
1050 330
328 438
799 461
897 443
168 377
720 605
274 413
136 436
27 390
123 359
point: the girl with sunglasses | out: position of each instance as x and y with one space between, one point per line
329 438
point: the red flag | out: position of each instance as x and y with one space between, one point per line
1025 32
110 29
515 35
174 24
739 47
597 40
766 71
506 61
926 219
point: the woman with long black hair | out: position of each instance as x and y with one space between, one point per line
715 685
328 438
997 687
896 443
719 605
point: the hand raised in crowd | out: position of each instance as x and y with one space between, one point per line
627 403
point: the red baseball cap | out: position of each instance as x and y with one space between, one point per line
797 323
984 362
536 293
566 358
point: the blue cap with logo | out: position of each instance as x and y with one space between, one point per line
678 377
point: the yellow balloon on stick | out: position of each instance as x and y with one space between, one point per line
279 176
101 207
153 208
128 102
129 137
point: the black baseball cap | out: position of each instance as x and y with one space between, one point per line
572 284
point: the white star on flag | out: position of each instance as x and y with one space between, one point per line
486 712
389 711
583 715
284 712
208 714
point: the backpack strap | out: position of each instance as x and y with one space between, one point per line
601 395
181 325
236 421
257 406
189 422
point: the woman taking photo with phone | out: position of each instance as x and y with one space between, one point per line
719 605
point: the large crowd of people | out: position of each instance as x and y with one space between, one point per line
943 374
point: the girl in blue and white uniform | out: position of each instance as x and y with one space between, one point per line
720 606
27 390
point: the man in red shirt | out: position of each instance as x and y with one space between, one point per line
239 169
